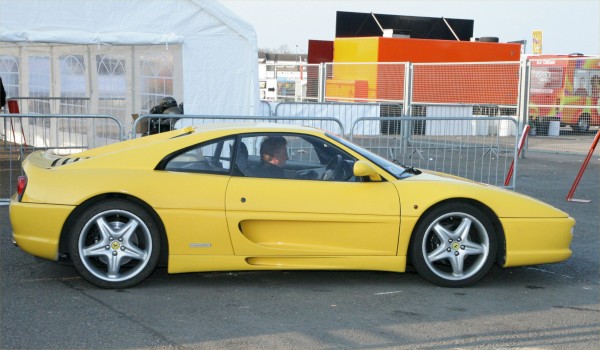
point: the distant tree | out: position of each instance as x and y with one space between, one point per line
285 49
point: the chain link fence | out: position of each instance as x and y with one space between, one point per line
556 95
562 103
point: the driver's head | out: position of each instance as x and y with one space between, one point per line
273 150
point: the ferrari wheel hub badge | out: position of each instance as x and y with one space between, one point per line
455 246
115 245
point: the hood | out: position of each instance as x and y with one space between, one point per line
425 190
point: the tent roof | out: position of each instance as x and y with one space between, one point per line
116 22
219 49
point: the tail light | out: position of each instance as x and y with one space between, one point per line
21 184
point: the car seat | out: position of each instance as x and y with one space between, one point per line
241 160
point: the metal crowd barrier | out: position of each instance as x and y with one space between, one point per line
146 123
478 148
50 105
21 134
345 112
265 108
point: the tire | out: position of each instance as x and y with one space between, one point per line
454 245
583 125
489 39
542 127
114 244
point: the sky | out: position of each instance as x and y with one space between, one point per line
568 26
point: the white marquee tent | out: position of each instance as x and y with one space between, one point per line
218 49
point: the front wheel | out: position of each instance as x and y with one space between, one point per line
542 127
454 245
114 244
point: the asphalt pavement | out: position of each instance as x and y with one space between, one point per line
45 305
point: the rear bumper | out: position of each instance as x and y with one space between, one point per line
37 227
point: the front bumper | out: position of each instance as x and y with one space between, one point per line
537 241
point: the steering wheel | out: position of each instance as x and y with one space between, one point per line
333 168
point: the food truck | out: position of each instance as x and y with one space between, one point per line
564 88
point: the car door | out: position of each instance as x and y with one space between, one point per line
302 215
189 195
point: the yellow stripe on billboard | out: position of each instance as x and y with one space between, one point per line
537 41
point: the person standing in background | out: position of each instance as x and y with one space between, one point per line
595 86
2 95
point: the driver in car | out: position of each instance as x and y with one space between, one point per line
273 155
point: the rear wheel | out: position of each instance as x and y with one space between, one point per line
115 244
454 245
583 124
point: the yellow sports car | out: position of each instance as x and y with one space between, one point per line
270 197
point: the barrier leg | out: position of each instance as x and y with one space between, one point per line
511 170
582 170
13 108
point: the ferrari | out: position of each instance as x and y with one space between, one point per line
201 199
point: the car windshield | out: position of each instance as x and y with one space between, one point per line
396 170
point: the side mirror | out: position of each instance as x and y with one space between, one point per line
362 168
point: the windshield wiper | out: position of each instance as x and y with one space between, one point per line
408 170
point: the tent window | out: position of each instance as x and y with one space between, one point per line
112 84
156 72
9 71
39 83
73 76
91 79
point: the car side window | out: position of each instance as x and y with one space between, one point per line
292 156
211 157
